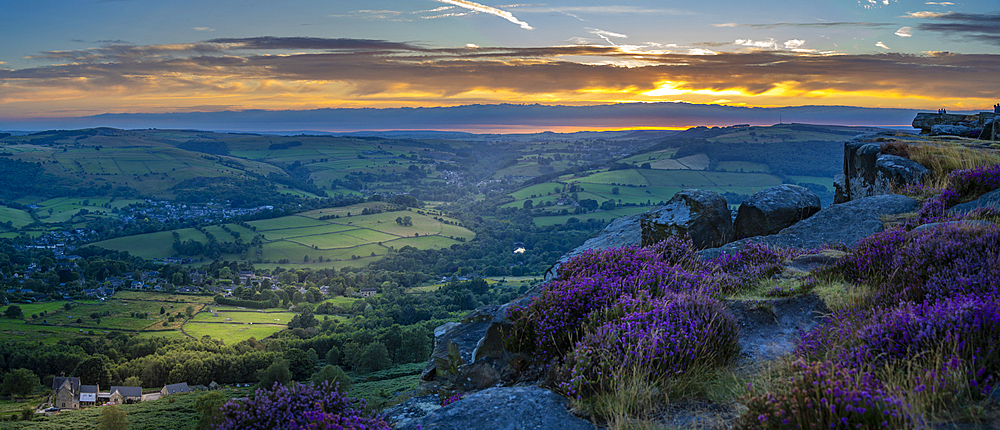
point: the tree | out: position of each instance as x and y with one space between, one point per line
333 374
646 166
112 418
132 381
615 190
94 371
299 364
277 372
162 310
528 204
20 382
189 311
13 312
209 406
375 358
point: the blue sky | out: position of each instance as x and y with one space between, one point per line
69 58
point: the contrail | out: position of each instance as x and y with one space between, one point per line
487 9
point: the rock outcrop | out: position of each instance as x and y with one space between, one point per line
502 408
702 215
868 172
845 223
944 124
989 200
950 130
771 210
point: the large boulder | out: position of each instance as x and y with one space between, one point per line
989 200
868 172
846 224
896 171
702 215
775 208
926 121
502 408
949 130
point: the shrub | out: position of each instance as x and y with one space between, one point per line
298 407
827 395
967 327
929 264
665 336
754 262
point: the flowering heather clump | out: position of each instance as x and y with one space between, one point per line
754 262
551 324
972 182
966 327
827 395
299 407
832 333
945 261
872 259
452 399
664 336
928 264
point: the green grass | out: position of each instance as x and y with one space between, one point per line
243 317
743 166
18 218
232 334
174 412
601 215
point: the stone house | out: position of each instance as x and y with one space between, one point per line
175 389
367 292
125 395
67 392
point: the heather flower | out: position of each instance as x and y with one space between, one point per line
319 407
828 395
665 336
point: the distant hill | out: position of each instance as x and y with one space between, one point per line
508 118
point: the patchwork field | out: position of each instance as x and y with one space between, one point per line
346 238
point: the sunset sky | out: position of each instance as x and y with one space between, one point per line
88 57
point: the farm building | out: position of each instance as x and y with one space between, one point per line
367 292
175 389
125 395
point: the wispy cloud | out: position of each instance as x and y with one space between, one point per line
874 4
881 45
905 32
808 24
606 35
924 14
275 73
204 29
943 3
982 27
476 7
598 10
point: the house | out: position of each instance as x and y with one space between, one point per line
175 389
125 395
67 392
88 395
367 292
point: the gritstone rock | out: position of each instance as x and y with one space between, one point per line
775 208
702 215
846 223
503 408
988 200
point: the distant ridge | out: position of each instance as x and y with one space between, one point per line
506 118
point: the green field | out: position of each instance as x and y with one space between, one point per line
18 218
304 239
242 317
606 216
232 334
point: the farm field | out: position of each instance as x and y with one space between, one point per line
18 218
606 216
232 334
347 241
242 317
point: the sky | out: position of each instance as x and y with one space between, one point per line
76 58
